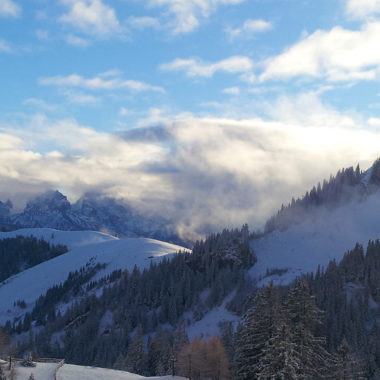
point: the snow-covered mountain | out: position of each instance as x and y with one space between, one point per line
86 249
328 221
91 212
312 231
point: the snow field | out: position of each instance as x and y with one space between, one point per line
46 371
84 247
75 372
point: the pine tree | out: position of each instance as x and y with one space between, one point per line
280 359
259 326
304 316
135 360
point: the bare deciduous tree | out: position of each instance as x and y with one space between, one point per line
200 360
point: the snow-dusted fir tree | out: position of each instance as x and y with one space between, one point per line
303 317
280 359
136 360
259 326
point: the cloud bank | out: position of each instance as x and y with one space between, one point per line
204 173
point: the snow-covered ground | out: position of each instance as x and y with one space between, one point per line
46 371
209 325
75 372
41 371
72 239
84 247
324 236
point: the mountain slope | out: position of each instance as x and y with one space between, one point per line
86 249
321 234
91 212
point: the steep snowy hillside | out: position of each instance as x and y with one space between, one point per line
91 212
323 235
86 248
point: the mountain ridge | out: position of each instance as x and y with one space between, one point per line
91 212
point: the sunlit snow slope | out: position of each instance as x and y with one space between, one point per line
324 236
84 247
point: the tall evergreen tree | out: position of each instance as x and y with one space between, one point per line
136 361
304 316
280 359
259 326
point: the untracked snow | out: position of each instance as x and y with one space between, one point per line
75 372
72 239
41 371
209 325
85 247
324 236
46 371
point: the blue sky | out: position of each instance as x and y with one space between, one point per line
164 102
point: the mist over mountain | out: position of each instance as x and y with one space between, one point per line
91 212
348 185
123 288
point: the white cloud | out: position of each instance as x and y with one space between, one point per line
111 73
4 46
249 28
9 8
188 13
123 111
336 55
374 122
362 9
222 172
143 22
42 34
80 98
98 83
39 103
196 67
77 41
91 17
306 110
232 91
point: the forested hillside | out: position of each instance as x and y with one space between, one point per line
20 253
346 185
323 325
136 303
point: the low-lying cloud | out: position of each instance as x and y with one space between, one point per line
204 173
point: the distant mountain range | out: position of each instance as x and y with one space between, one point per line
91 212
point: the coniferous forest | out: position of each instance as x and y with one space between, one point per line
323 326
